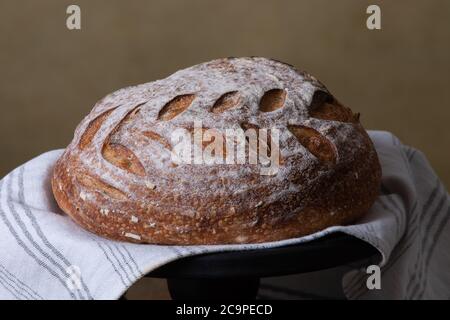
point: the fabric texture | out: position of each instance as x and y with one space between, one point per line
44 255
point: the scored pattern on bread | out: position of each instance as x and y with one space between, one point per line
119 161
226 101
272 100
158 138
324 106
119 155
316 143
175 106
122 157
100 186
92 129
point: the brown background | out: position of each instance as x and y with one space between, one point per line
50 77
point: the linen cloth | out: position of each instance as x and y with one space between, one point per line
44 255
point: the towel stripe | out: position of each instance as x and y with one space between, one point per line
431 198
420 271
127 264
356 286
411 155
413 279
433 217
23 245
138 270
19 284
39 232
442 224
382 201
423 275
30 237
430 252
425 209
112 263
11 289
362 288
117 263
127 271
399 218
405 159
419 267
177 250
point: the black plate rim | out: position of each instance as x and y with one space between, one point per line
326 252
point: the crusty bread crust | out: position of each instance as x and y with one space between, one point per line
117 179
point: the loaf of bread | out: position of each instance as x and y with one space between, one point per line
121 178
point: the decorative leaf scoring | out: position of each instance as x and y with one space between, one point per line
123 158
95 183
92 129
175 106
133 113
128 117
272 100
227 101
315 142
118 154
324 106
157 137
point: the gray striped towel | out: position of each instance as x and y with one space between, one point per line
44 255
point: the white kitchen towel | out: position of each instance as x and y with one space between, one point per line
44 255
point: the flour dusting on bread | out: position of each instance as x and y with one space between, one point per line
123 151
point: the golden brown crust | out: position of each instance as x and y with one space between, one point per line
116 178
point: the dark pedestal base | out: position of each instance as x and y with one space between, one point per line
236 274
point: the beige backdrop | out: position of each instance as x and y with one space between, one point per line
50 77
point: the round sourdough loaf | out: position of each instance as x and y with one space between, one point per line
118 177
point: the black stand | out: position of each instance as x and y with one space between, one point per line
236 274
